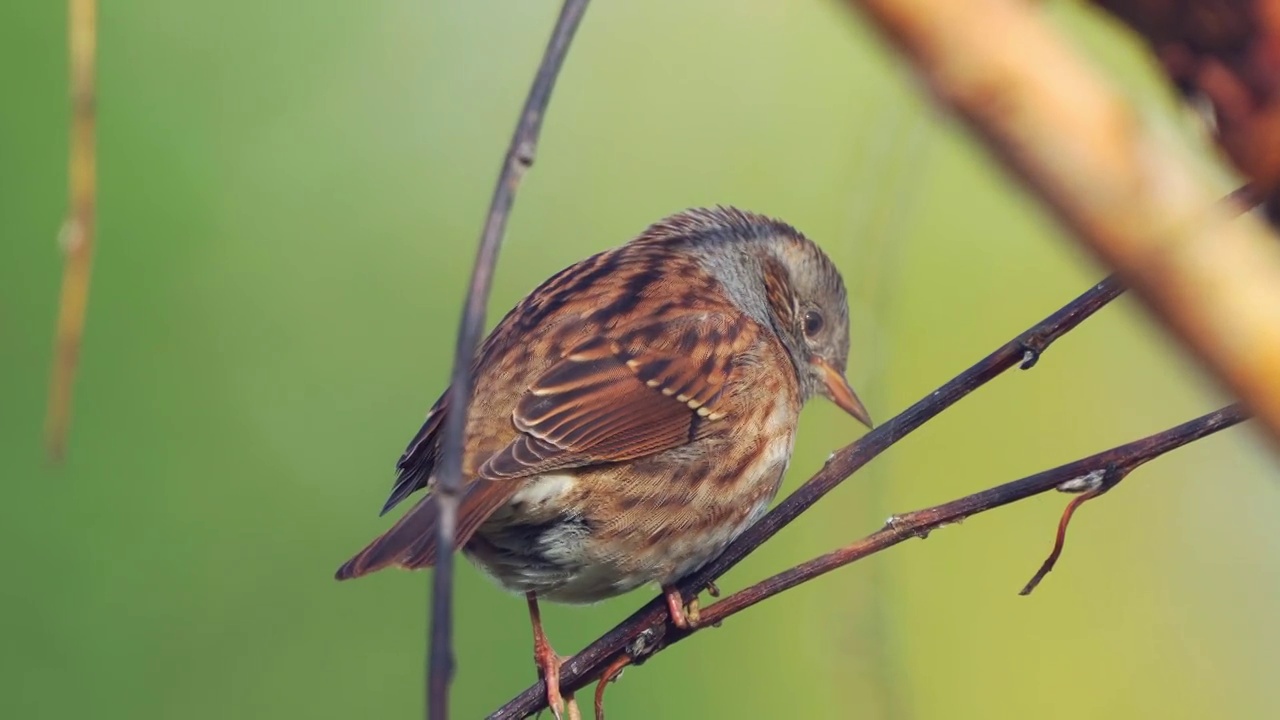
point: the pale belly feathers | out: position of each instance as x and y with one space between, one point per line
571 556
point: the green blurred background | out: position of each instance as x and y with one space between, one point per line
290 193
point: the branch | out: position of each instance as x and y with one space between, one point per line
649 624
77 231
519 158
1130 197
1091 476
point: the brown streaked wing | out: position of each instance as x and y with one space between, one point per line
609 400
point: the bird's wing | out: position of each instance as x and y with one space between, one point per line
612 399
644 390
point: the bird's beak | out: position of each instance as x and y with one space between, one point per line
841 394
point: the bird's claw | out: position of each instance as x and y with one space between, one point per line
549 663
685 615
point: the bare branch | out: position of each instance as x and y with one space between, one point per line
1130 197
1101 472
519 158
647 627
77 230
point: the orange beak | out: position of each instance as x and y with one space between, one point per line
841 394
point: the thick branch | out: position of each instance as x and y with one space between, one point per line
649 623
77 230
1128 196
519 158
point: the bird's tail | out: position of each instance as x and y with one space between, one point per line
411 542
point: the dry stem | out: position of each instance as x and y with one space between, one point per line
519 158
77 230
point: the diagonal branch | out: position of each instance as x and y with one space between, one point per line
1090 476
649 623
519 158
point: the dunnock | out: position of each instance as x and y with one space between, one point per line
634 414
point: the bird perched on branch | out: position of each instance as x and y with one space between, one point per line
633 415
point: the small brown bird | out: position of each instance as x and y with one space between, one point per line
633 415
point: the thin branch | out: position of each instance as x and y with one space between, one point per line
649 624
77 231
519 158
1095 475
1130 196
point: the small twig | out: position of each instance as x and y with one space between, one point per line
77 231
519 158
649 623
1089 486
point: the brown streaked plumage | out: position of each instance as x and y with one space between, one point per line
634 414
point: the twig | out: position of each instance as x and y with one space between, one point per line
1098 473
1094 484
648 625
1132 198
519 158
77 231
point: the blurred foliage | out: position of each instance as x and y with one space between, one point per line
290 194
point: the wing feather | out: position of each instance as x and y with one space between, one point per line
613 400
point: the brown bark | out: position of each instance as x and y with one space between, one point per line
1229 52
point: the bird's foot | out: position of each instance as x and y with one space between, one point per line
549 663
684 614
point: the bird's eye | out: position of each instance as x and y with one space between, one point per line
813 323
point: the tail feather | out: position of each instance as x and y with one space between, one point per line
411 542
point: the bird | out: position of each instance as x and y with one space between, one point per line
632 416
